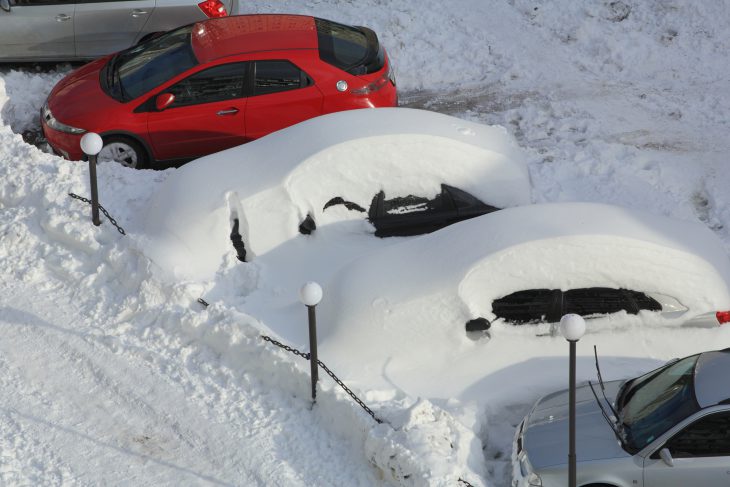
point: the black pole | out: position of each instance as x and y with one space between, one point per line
313 351
94 192
571 400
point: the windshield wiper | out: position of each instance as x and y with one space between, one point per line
603 388
614 426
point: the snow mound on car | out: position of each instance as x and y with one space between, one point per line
419 294
271 184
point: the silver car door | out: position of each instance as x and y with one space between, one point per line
699 454
106 26
171 14
37 30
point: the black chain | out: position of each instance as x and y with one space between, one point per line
286 347
329 372
103 210
347 390
339 382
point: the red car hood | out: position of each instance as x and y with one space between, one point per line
78 99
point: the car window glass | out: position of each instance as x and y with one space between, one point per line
225 82
659 402
31 3
529 306
276 76
150 64
600 300
707 437
536 305
341 45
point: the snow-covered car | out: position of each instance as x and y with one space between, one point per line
335 178
614 265
667 428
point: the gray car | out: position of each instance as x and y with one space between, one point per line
667 428
56 30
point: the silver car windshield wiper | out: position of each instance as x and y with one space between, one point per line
615 427
600 380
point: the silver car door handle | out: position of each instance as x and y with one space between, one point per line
230 111
138 13
62 17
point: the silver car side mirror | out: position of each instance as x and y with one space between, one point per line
5 5
666 456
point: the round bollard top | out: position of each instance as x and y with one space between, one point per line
91 143
572 327
311 294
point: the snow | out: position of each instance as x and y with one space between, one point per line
114 374
271 184
421 292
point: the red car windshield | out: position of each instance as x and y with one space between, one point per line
136 71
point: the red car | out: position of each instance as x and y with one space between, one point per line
215 84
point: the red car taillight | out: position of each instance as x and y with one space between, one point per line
723 316
372 87
213 8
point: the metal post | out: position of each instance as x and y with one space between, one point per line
571 400
313 362
94 191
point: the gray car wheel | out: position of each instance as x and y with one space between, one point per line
125 151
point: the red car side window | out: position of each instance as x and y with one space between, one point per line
224 82
276 76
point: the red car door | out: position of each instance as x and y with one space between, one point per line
282 95
207 115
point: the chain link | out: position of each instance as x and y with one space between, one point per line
339 382
286 347
103 210
347 390
329 372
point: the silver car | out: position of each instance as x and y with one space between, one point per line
667 428
54 30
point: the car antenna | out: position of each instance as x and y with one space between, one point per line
600 381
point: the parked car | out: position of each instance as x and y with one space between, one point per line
62 30
216 84
523 267
327 178
667 428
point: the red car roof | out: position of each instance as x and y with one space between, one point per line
227 36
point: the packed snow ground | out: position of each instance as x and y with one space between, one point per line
114 377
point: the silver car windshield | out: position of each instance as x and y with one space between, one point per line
138 70
657 401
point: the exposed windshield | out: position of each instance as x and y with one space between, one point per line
136 71
352 49
655 402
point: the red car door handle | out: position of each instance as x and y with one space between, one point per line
229 111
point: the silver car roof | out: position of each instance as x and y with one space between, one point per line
712 378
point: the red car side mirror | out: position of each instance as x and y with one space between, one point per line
164 100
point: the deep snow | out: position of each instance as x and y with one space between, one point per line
113 376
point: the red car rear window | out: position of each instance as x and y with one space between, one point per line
343 46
